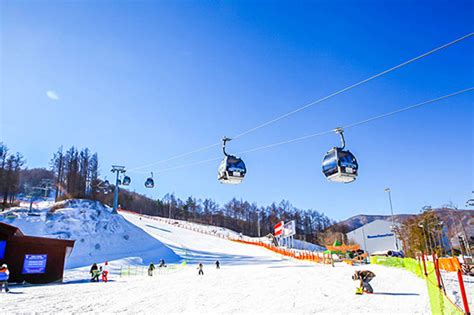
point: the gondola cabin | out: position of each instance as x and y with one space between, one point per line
340 166
232 170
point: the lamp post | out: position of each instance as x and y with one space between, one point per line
118 170
387 190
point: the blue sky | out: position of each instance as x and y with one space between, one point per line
140 81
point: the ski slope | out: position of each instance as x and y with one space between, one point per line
251 280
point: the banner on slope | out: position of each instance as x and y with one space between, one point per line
278 228
289 228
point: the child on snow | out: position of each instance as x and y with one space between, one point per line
105 272
200 272
364 276
4 274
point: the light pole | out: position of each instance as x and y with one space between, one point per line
118 170
387 190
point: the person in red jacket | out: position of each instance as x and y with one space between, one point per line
4 274
105 272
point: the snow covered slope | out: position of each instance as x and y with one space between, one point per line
252 280
196 247
99 234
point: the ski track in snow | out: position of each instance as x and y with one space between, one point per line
251 280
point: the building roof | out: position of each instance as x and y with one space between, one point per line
8 230
14 234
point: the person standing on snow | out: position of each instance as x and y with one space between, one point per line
4 274
200 267
151 267
95 273
105 272
364 276
218 265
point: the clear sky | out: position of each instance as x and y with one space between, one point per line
141 81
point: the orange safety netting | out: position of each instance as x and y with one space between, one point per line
300 255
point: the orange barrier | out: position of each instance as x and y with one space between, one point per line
449 264
296 254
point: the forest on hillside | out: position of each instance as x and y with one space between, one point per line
74 173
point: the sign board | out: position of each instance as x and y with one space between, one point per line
34 264
3 246
289 229
278 228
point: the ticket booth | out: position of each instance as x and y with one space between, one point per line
32 259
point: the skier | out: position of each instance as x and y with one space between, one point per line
364 276
105 271
4 274
218 265
162 263
201 272
95 273
151 267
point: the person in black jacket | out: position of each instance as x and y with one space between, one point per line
200 268
151 268
218 265
94 273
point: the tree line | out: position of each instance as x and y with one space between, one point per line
10 168
238 215
76 174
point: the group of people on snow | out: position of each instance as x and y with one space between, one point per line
200 268
152 267
97 271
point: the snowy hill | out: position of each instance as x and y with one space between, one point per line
99 234
224 232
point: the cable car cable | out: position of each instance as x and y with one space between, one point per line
331 131
353 86
309 104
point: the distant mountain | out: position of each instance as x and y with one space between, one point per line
452 218
357 221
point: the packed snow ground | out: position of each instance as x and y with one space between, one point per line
251 280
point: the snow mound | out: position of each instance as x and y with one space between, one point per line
99 234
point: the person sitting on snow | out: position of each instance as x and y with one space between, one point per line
364 276
4 274
151 267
